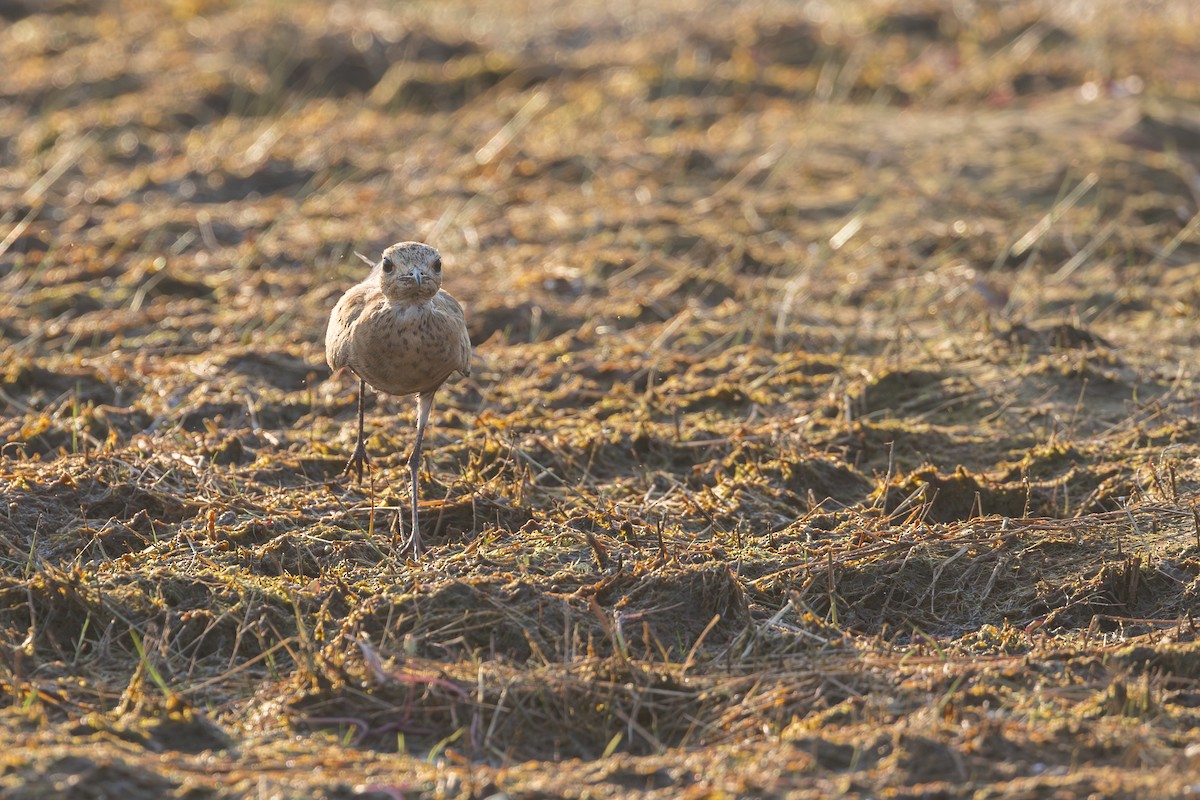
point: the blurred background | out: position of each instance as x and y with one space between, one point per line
183 174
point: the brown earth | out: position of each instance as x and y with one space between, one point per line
832 431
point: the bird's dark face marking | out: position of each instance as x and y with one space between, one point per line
410 271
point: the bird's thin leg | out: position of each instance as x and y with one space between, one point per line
424 406
359 459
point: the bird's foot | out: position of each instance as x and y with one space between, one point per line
358 461
412 541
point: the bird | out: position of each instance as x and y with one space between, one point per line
401 333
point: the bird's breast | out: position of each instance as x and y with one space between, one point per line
403 349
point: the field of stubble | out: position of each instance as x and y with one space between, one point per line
832 432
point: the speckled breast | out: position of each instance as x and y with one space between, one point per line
406 350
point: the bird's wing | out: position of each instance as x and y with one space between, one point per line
465 352
337 337
451 308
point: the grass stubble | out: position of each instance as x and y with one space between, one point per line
832 428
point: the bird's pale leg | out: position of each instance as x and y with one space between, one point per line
359 459
424 406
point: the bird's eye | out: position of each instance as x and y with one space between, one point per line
387 266
437 264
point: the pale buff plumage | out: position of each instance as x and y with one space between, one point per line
400 332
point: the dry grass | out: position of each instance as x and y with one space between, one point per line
832 431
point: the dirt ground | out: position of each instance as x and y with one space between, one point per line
832 428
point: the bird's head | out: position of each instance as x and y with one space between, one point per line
410 271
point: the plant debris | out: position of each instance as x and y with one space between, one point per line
832 429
